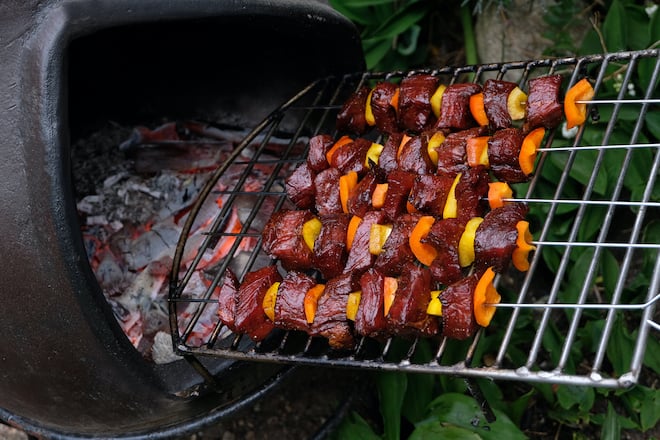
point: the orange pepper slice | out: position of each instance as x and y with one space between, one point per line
394 102
576 113
389 292
378 196
476 150
520 256
530 145
346 183
352 229
477 108
497 191
485 295
425 253
331 152
404 141
310 302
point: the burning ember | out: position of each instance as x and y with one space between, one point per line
134 196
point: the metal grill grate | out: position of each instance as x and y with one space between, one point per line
540 327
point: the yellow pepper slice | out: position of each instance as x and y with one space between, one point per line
268 303
310 230
378 235
451 205
353 304
466 242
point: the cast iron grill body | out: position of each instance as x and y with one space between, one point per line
535 295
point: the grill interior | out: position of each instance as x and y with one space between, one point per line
558 305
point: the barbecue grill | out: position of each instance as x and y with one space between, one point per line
535 296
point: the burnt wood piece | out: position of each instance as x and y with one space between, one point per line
250 318
289 304
387 159
319 145
458 320
282 239
407 315
495 238
471 193
503 152
415 113
329 255
359 198
414 156
326 187
444 237
300 187
352 156
452 156
429 193
227 299
399 185
455 108
496 93
396 251
330 320
381 106
370 319
351 117
544 108
359 258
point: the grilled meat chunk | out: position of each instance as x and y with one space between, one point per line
300 187
471 192
326 188
329 255
400 184
370 319
330 320
319 145
227 299
496 93
351 156
415 93
444 237
282 239
458 320
414 156
359 199
250 318
429 193
351 117
455 108
407 315
544 108
452 157
359 258
503 153
381 106
289 305
495 238
396 253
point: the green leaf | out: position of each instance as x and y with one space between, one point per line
620 347
637 21
610 270
401 20
391 390
407 42
614 27
649 414
354 427
434 430
572 397
419 394
652 120
652 354
375 50
611 428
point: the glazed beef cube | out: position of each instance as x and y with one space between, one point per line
400 184
455 108
359 199
429 193
351 117
415 93
330 320
289 305
282 239
444 236
370 320
495 237
387 159
452 157
227 299
396 251
381 107
414 156
250 318
544 108
496 93
351 156
359 258
458 320
471 192
329 255
503 151
300 187
319 145
407 315
326 187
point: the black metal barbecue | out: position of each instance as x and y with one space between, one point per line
535 296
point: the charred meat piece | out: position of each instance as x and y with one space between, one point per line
250 318
496 93
351 118
396 251
495 238
381 107
300 187
290 302
429 193
452 157
227 299
399 185
471 192
455 108
330 320
458 320
444 237
351 156
414 156
329 255
387 159
415 93
407 315
543 105
503 154
359 258
359 199
319 145
370 319
326 188
282 239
